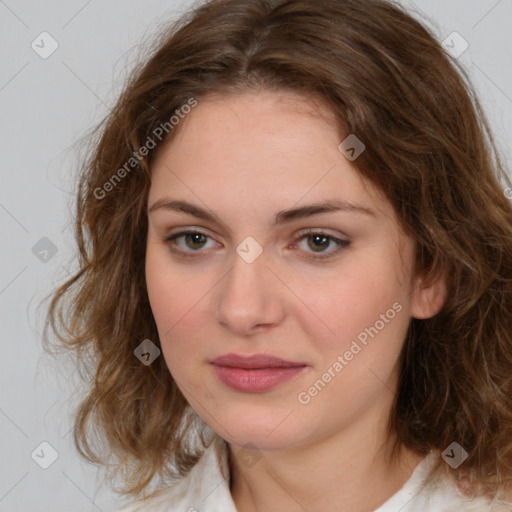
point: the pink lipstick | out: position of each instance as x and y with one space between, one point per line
255 374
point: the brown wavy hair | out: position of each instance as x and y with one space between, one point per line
429 148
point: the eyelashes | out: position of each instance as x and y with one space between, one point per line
195 244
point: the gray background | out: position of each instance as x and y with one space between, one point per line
46 105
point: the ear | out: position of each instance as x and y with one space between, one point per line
428 297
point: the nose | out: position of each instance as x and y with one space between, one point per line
250 297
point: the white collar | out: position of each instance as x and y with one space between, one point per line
206 489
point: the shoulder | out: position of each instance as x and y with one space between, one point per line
431 490
443 495
205 488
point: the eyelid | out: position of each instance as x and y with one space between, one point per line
187 230
321 231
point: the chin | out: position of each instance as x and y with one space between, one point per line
265 431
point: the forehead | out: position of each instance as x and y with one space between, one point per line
263 149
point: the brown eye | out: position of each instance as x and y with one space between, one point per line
321 245
318 242
186 243
195 240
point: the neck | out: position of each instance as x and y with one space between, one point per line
349 471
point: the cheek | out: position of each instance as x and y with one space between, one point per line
172 291
353 301
179 302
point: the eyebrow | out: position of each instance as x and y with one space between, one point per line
281 217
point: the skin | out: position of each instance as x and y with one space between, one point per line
244 158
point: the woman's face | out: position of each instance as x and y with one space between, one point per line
296 257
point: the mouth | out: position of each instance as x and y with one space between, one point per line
255 374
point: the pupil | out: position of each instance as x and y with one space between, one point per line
196 240
323 242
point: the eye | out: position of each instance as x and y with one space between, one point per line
317 243
188 242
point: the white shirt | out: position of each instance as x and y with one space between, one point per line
204 489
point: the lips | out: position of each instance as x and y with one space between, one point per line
255 374
257 361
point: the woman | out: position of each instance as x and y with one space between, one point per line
296 266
